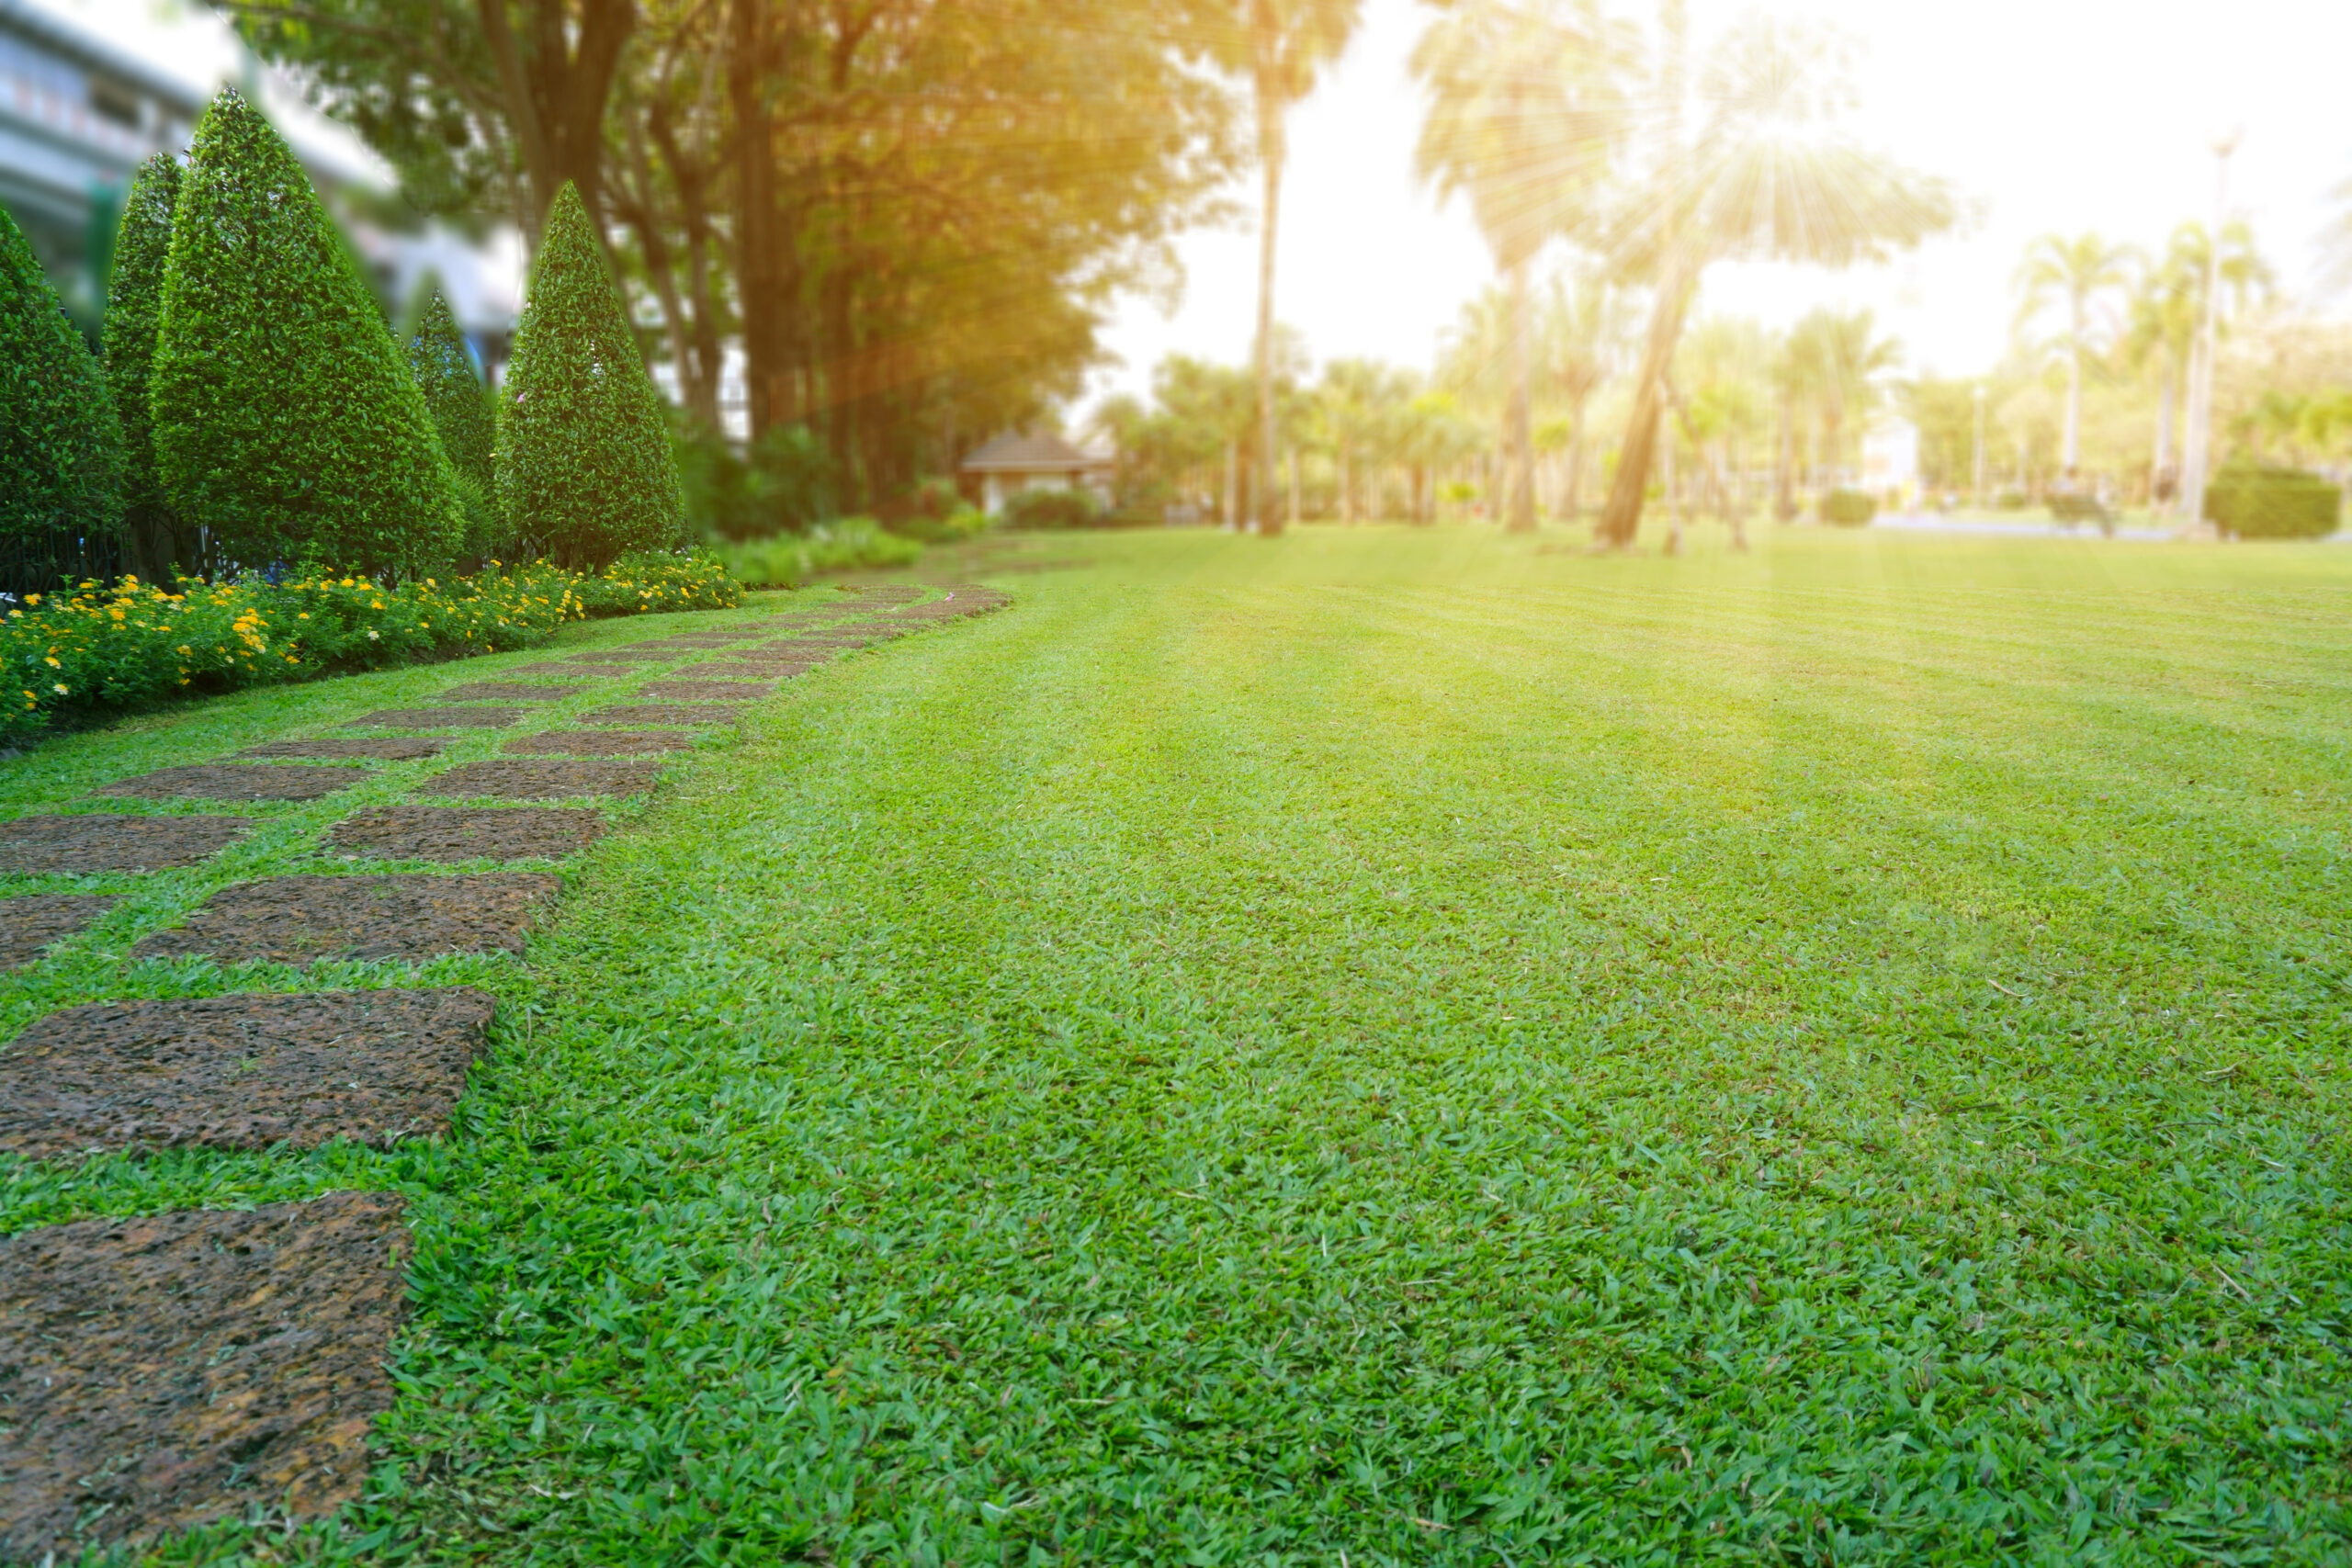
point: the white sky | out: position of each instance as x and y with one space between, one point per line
2049 115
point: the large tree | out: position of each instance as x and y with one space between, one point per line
2160 329
2076 276
1764 178
1525 103
1289 43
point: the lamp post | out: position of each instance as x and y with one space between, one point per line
2201 391
1980 447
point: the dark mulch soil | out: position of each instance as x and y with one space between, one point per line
454 833
391 749
437 719
301 919
615 656
256 781
508 691
598 742
107 842
172 1371
30 924
706 690
240 1072
664 713
548 778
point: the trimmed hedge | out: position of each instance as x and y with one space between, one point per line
1848 508
61 448
134 306
2248 503
584 467
102 648
287 421
1071 508
465 420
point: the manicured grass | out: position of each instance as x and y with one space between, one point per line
1386 1048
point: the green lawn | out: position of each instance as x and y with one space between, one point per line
1402 1048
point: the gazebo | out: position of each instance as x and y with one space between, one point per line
1004 467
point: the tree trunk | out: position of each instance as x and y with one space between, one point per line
2163 438
1271 153
755 229
2073 406
1622 518
1521 510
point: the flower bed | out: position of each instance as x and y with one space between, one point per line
110 647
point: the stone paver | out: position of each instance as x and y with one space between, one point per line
660 714
509 692
706 690
169 1371
437 719
546 778
30 924
383 749
103 841
461 833
235 781
598 743
410 917
240 1072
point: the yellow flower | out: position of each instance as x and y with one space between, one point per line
303 616
53 663
59 689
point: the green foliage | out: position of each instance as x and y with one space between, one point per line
1848 508
134 307
455 397
933 512
787 560
584 469
61 448
102 648
1071 508
2249 502
286 421
786 486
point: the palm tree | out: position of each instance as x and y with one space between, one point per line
2078 274
1839 361
1524 107
1760 181
1290 43
2166 309
1580 342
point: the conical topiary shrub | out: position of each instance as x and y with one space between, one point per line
61 449
286 420
584 467
463 417
134 302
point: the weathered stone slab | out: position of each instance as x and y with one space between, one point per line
459 833
302 919
599 742
240 1072
542 779
706 690
437 719
167 1372
615 656
103 841
508 692
660 714
385 748
235 781
30 924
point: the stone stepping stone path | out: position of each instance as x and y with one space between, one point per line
30 924
508 692
230 781
660 714
542 779
410 917
437 719
390 748
598 742
241 1072
706 690
82 844
457 833
159 1374
167 1371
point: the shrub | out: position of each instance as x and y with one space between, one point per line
1848 508
134 305
932 513
2249 502
1071 508
584 469
787 561
287 421
61 448
785 487
99 648
455 399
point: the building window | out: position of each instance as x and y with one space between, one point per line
112 101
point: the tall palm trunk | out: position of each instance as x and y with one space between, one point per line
1622 518
2075 398
2164 434
1521 510
1271 153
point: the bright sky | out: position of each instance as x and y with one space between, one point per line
2050 115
